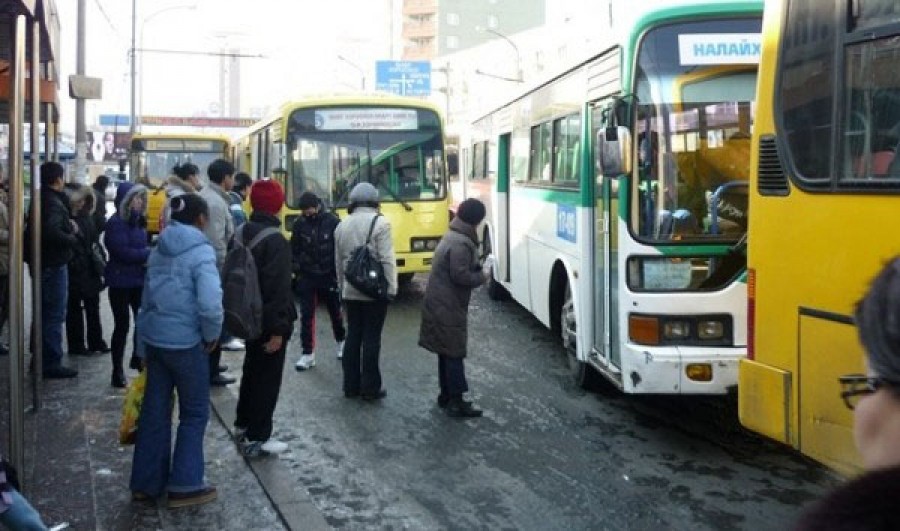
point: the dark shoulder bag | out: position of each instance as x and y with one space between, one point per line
365 272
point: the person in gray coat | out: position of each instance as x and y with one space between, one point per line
365 316
455 272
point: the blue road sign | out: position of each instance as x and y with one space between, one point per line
113 120
406 78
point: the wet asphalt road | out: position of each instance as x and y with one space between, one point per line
545 455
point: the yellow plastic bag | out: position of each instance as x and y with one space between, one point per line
131 410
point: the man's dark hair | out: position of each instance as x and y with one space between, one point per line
242 181
51 172
185 170
219 169
101 182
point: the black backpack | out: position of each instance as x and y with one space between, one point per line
241 296
365 272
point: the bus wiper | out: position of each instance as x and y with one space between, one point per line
397 197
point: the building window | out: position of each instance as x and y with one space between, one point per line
452 42
453 19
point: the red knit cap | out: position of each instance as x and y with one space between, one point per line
267 196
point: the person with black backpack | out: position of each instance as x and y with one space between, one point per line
365 314
264 357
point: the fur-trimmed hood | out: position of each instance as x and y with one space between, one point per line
125 192
81 192
176 186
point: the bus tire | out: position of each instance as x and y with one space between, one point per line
581 373
495 290
404 278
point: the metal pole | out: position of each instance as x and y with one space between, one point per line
35 165
131 124
16 278
80 131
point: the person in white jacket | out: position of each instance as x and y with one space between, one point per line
365 316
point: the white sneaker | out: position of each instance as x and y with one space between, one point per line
340 350
273 446
234 344
306 361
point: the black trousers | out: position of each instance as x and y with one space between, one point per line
260 385
121 300
81 310
310 292
452 376
362 349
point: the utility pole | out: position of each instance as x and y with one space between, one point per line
132 58
80 129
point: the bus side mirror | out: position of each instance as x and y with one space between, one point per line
614 151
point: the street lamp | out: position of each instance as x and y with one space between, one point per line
362 73
135 49
518 78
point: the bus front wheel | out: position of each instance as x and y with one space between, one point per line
582 374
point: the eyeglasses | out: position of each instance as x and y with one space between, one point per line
856 386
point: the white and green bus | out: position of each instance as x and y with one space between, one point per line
617 199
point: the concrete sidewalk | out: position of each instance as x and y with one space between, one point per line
77 472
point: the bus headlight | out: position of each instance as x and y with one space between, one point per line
696 330
420 245
710 329
676 329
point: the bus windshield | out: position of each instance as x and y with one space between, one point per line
695 88
154 167
329 154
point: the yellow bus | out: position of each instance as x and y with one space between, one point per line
824 197
153 156
328 144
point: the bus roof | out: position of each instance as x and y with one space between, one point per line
180 136
642 20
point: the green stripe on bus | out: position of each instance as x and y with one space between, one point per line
548 195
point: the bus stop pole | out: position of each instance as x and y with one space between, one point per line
35 166
16 277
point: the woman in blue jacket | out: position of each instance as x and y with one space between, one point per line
178 325
126 243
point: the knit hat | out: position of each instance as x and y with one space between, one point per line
308 200
471 211
267 196
364 193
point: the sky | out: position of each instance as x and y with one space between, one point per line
299 51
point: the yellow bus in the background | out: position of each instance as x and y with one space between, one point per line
328 144
153 156
824 195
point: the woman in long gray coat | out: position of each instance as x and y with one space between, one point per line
455 272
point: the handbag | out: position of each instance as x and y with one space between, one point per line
98 259
365 272
131 410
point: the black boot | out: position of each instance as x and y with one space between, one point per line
118 378
459 408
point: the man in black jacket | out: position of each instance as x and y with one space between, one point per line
312 246
99 215
264 357
58 241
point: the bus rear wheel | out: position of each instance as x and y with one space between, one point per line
404 278
582 374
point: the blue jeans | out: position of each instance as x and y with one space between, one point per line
54 299
21 515
154 466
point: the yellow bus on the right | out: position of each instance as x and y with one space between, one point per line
825 199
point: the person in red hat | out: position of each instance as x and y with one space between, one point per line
264 358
